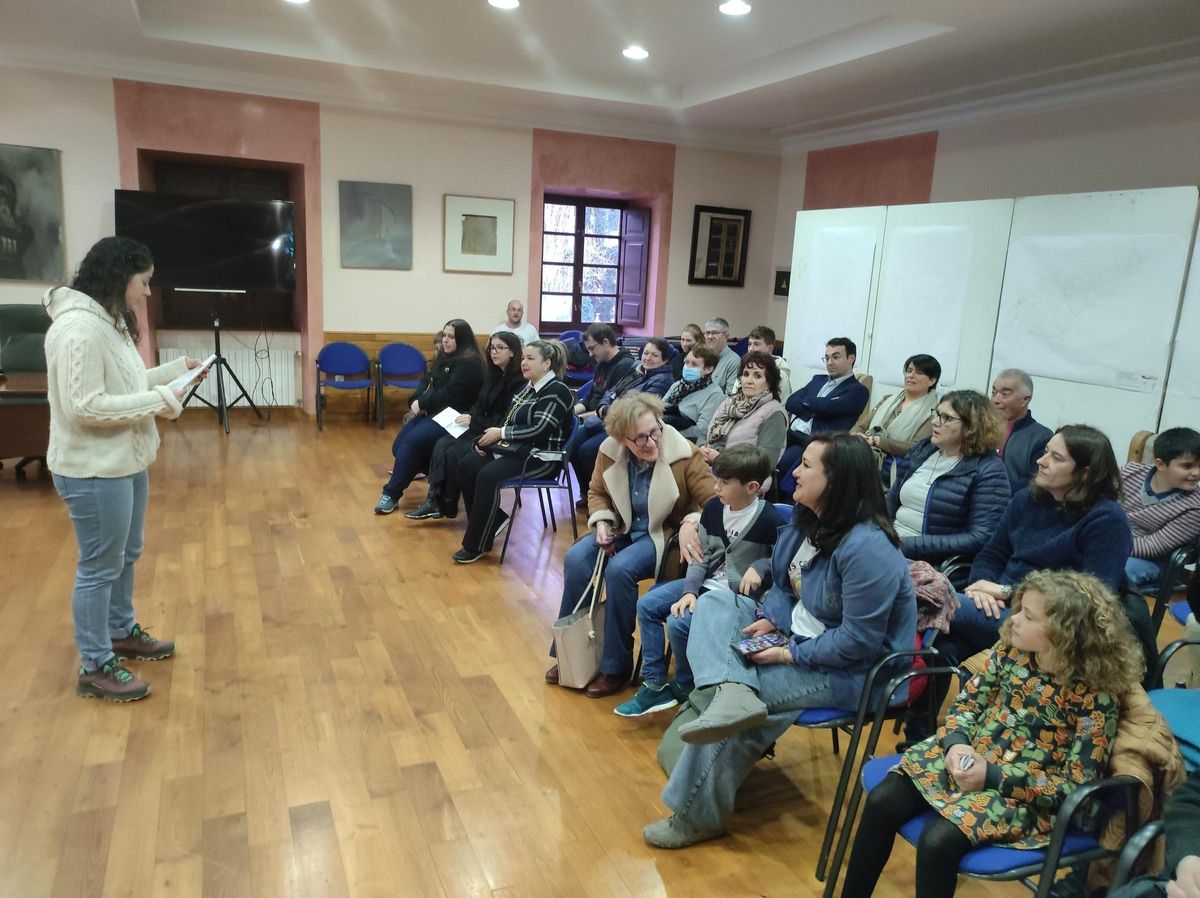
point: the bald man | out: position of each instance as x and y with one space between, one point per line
515 312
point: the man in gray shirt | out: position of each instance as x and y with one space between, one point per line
716 335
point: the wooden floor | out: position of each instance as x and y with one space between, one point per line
348 712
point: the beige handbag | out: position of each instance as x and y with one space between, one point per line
579 637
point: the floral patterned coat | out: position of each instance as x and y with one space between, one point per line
1041 739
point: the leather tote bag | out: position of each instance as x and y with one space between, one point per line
579 637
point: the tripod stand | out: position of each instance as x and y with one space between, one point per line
222 407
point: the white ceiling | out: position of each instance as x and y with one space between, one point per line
791 74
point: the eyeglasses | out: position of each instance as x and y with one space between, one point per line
714 333
836 357
944 419
495 349
642 440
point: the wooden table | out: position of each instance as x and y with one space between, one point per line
24 416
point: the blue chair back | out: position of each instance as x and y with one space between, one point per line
342 359
785 510
571 335
742 346
583 393
400 359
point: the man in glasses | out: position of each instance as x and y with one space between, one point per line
829 403
716 335
512 322
1024 440
612 364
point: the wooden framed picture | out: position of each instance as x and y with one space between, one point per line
478 235
720 239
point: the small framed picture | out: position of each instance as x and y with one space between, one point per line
720 239
478 236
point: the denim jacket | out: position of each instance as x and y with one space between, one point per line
861 592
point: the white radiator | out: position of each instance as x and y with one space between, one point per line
271 377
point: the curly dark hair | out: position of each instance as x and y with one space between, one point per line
104 275
769 368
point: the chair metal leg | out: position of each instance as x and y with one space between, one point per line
512 522
571 510
320 405
836 748
379 398
542 507
550 503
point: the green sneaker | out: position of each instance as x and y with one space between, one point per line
111 681
648 699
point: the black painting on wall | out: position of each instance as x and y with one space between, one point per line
720 239
31 215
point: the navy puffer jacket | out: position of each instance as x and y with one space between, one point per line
962 509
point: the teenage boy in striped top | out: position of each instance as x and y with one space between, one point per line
1162 503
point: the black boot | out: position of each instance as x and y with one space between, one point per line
430 509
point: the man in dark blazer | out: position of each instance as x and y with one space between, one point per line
829 403
1024 440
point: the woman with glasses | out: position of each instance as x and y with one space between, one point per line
753 414
902 420
951 489
647 481
452 381
499 387
651 375
539 417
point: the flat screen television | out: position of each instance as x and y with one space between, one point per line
213 244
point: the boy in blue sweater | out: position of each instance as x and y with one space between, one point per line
737 532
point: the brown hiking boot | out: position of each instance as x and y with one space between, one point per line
111 681
141 646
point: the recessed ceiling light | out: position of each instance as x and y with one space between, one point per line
734 7
504 4
633 51
297 2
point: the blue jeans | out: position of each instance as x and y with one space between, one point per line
109 514
1144 573
412 450
585 452
653 612
632 562
705 781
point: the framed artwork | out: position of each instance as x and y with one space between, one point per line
720 238
376 225
31 215
783 280
478 235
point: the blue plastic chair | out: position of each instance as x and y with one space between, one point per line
561 480
571 335
398 365
1068 846
1179 707
742 346
342 366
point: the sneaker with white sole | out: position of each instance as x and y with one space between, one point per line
141 646
386 504
648 699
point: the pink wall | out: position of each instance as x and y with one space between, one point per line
159 118
610 167
878 173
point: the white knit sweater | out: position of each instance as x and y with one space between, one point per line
103 400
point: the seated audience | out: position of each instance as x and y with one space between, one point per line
611 364
1034 725
539 418
1024 439
762 339
902 420
753 415
951 490
736 533
716 335
526 332
1163 503
690 336
692 400
499 387
647 480
1067 519
828 403
453 381
651 375
855 604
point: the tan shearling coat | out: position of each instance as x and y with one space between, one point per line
680 485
